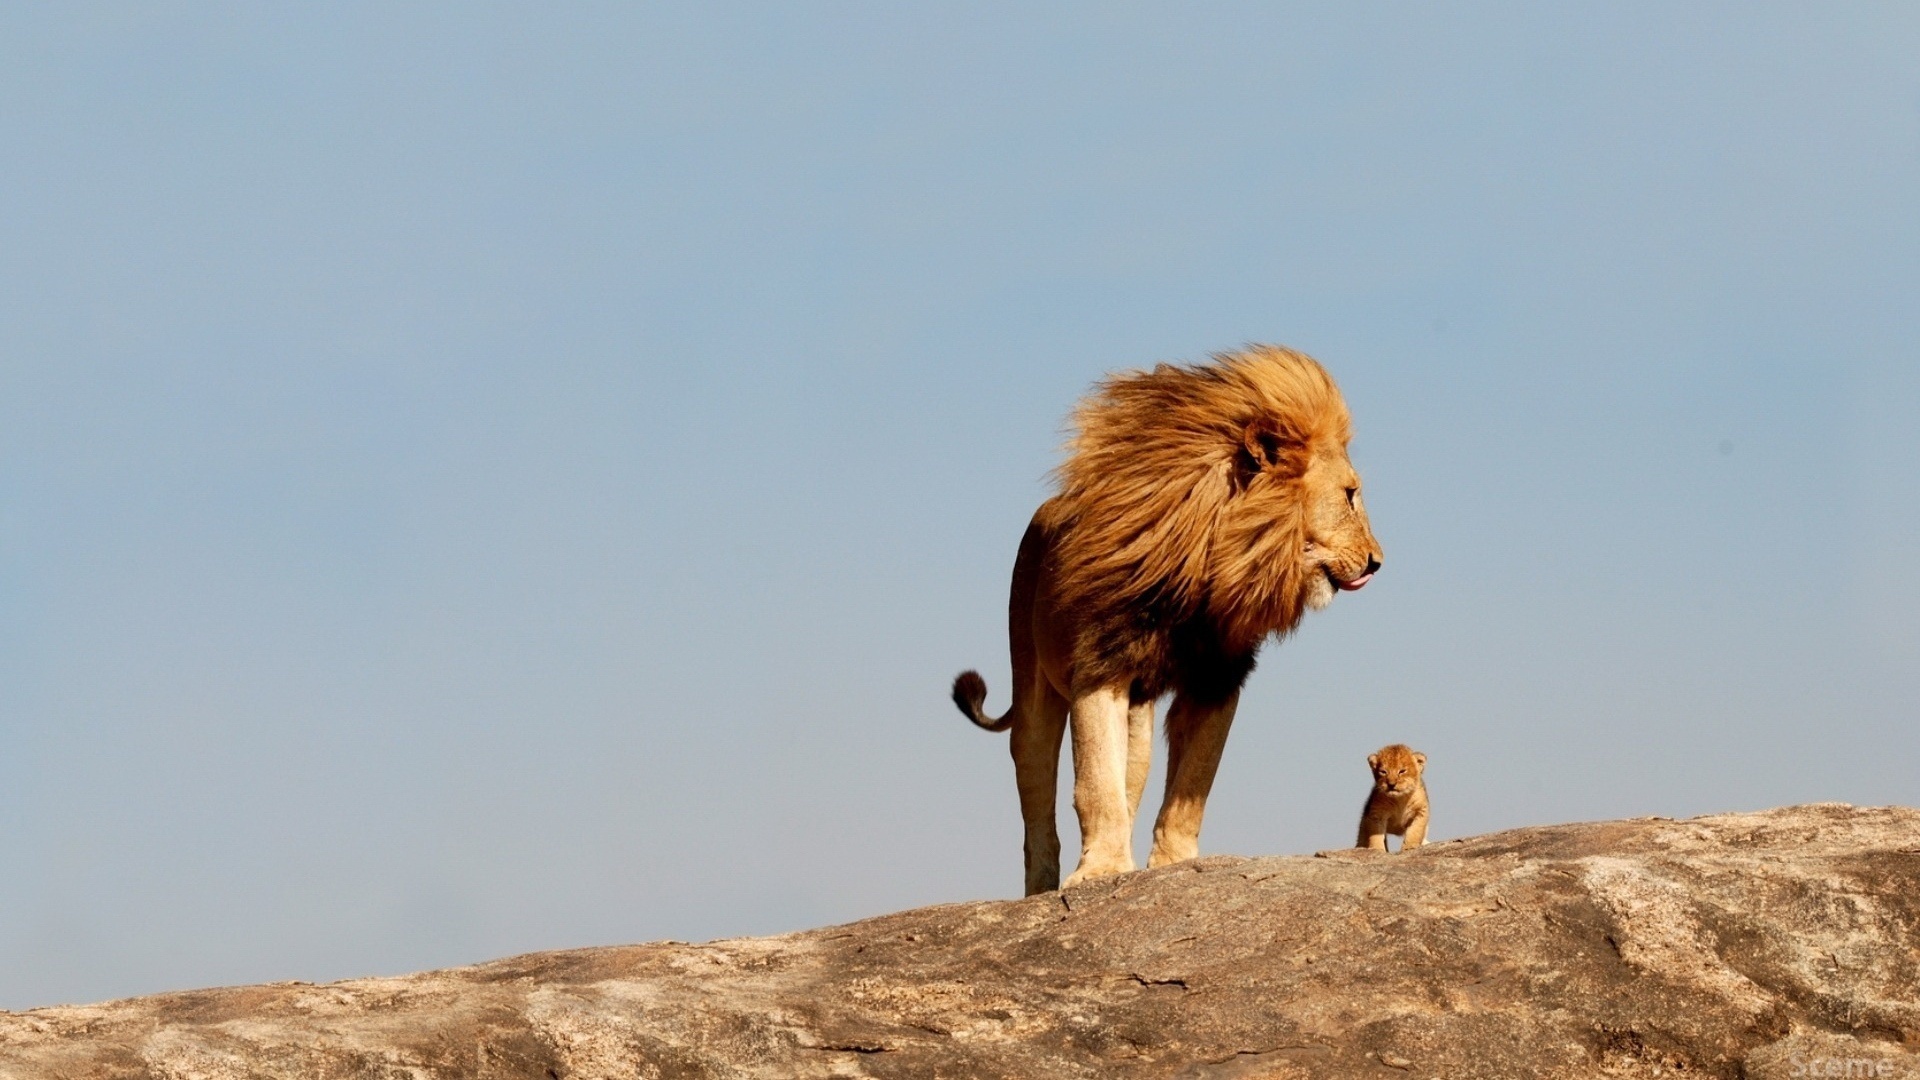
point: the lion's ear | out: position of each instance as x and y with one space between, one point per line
1265 448
1373 761
1420 759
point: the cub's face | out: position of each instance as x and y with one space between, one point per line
1341 553
1396 769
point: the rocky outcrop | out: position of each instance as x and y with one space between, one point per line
1784 943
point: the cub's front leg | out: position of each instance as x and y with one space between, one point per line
1416 828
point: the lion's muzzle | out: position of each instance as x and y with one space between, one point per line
1354 585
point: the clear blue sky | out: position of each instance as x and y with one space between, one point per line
482 478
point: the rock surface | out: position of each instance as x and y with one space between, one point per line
1784 943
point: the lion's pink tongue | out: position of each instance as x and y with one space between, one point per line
1350 586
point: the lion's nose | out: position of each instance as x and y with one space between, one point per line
1373 564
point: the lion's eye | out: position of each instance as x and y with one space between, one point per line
1351 492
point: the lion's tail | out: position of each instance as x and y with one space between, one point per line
970 693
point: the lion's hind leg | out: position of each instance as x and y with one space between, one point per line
1035 743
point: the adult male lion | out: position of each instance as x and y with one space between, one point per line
1202 508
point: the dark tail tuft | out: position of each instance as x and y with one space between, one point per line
970 693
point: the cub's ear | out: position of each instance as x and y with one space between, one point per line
1420 759
1373 761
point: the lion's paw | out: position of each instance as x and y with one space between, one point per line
1097 868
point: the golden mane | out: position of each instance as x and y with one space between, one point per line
1181 494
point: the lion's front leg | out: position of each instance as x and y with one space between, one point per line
1139 755
1196 736
1100 729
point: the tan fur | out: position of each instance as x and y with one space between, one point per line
1397 806
1202 508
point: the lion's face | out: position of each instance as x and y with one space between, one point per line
1396 769
1340 552
1223 488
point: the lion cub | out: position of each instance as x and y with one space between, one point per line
1398 803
